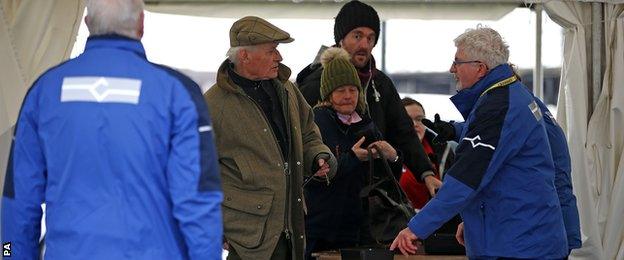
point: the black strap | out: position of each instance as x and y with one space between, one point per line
389 175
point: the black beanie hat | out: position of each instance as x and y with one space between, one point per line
352 15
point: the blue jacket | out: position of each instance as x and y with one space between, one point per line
121 152
502 182
563 178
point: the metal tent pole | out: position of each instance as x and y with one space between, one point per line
384 34
538 72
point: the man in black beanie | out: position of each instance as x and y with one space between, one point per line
356 29
363 20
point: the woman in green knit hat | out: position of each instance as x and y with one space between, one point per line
335 215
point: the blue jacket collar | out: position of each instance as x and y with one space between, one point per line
115 41
466 99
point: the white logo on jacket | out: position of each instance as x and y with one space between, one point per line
205 128
535 110
475 141
101 90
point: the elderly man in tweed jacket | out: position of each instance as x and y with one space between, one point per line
267 142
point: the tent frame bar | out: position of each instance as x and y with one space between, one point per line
538 72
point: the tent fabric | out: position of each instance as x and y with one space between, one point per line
602 1
35 35
595 142
572 114
376 2
605 140
327 10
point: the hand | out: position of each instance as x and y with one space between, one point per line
360 152
226 246
429 124
384 148
405 242
459 235
445 130
323 169
432 184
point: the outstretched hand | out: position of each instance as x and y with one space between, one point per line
445 130
405 242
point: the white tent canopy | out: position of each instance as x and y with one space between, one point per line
35 35
328 9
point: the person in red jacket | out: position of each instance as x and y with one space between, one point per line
441 156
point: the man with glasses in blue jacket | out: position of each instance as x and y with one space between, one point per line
119 149
502 182
562 163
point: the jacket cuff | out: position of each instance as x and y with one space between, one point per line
329 159
425 174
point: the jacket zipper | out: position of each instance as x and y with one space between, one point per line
287 212
287 232
483 235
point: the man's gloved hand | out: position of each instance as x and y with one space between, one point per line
445 130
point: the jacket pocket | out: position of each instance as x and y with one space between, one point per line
237 167
247 171
245 214
483 225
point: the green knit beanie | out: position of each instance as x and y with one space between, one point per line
337 72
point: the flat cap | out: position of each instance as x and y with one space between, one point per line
252 30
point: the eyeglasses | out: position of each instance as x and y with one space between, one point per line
457 62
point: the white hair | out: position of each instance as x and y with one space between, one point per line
232 53
483 44
114 16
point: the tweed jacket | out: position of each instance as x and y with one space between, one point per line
263 194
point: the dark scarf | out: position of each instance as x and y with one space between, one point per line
263 93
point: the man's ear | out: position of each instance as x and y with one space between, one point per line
140 25
243 55
88 21
483 70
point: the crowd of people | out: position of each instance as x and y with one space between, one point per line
133 162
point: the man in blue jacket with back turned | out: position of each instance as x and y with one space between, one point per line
563 177
502 182
119 149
